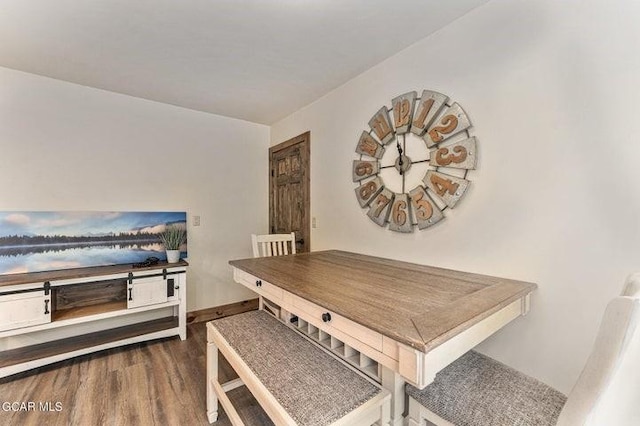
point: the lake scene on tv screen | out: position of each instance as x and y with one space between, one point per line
47 241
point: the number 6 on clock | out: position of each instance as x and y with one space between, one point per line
400 221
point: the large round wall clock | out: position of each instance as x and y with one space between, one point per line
413 163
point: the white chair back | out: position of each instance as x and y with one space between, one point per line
273 244
632 286
608 389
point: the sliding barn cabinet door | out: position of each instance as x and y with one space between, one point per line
147 291
24 309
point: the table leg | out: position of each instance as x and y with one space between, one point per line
394 383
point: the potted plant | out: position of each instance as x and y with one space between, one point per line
172 238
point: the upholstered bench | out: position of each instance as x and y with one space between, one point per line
295 381
478 390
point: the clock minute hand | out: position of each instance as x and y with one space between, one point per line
400 156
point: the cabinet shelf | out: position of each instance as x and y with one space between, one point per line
84 341
85 311
74 316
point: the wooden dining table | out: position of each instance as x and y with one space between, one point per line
396 321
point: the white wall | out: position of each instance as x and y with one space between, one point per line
69 147
552 90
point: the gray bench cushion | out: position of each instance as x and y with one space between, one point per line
478 390
312 386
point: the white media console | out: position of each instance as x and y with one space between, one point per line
41 301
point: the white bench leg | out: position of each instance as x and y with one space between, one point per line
419 416
385 413
212 375
413 417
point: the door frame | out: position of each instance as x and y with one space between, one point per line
305 154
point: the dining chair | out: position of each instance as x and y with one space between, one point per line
632 285
273 244
478 390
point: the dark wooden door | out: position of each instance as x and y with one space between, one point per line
289 189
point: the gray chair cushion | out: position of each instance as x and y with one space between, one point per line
311 385
478 390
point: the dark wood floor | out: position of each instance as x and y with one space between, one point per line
153 383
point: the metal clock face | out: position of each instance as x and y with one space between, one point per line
413 161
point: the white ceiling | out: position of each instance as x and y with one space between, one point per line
257 60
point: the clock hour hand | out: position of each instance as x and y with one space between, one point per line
400 154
